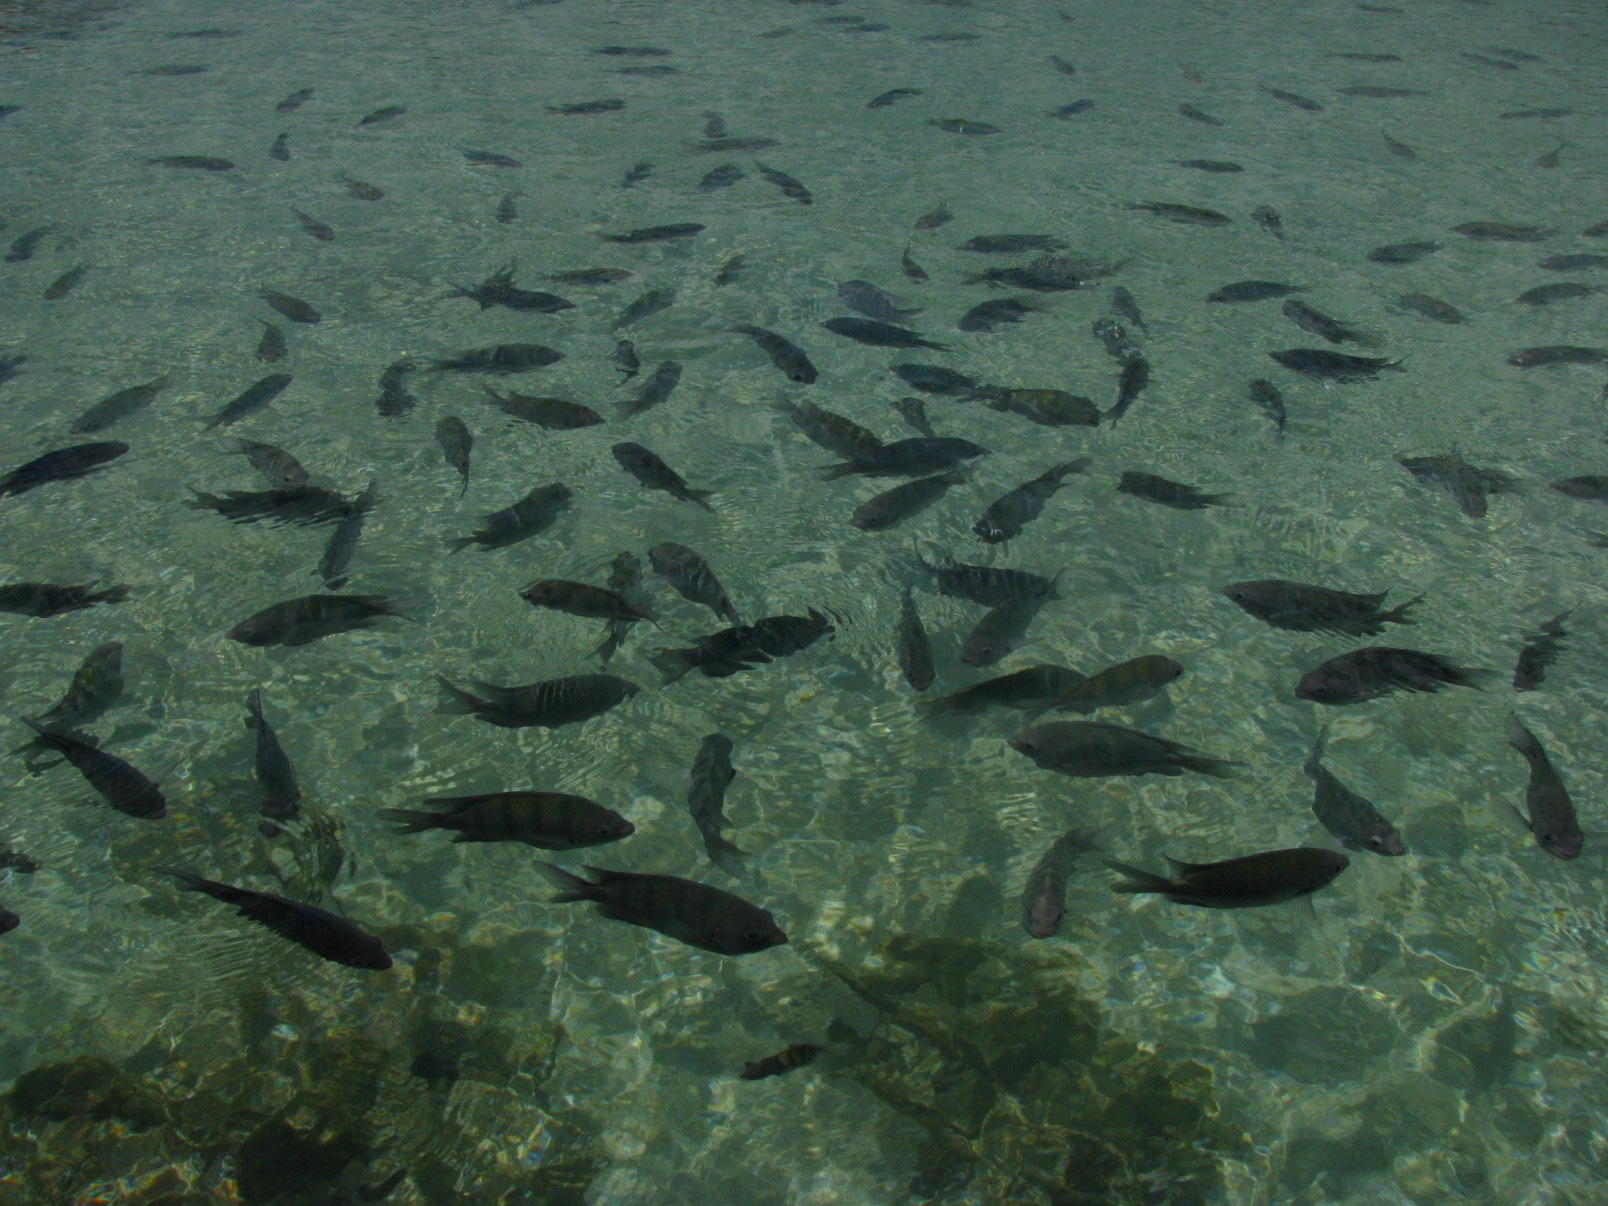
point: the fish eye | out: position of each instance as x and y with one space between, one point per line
1028 746
754 937
1376 841
1548 839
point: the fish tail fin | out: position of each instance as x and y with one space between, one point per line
254 719
570 887
934 345
701 497
457 702
462 542
1217 500
1217 768
411 820
1138 880
1470 676
1520 738
725 855
190 882
1399 613
672 663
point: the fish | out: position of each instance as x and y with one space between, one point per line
550 703
1095 749
547 820
1008 514
1399 149
1430 307
1001 630
1268 219
1539 652
1349 817
988 315
1591 487
255 396
1550 158
1486 61
305 619
292 308
1047 274
939 215
911 269
904 458
1266 395
649 469
281 793
1573 263
8 367
790 187
303 505
1113 336
1502 233
489 158
1218 166
650 303
582 599
913 646
1379 91
1368 673
321 231
692 578
892 96
61 464
503 358
1130 384
730 269
343 540
1152 488
634 176
123 404
901 502
714 126
712 773
796 1055
96 687
625 576
1072 109
271 347
625 359
1046 407
1467 484
456 443
963 125
636 52
786 356
873 302
1246 291
831 431
724 176
507 208
1323 365
45 599
1194 114
914 412
650 69
119 784
692 913
1546 295
317 930
283 471
499 290
1515 114
10 921
1129 682
1250 881
611 104
1300 607
201 163
1124 305
294 101
988 585
1551 820
555 414
1319 323
1291 98
1062 65
1010 244
1563 353
1044 895
388 113
733 650
534 513
1022 689
1403 253
63 284
934 379
657 234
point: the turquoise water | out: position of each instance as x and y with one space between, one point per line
1431 1031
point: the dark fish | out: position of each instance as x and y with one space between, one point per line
918 454
1047 407
8 367
625 577
636 175
1348 816
1291 98
283 471
1546 295
1072 109
1113 336
530 515
650 69
1044 896
97 685
730 269
611 104
1573 263
1248 882
292 308
712 773
202 163
880 334
1124 305
914 412
1360 57
1094 749
1010 244
63 284
1062 65
362 190
1194 114
1500 232
1486 61
962 125
550 703
343 540
582 599
386 114
788 357
1430 307
714 126
548 820
831 431
456 443
1403 253
1515 114
1550 158
1398 149
1368 673
657 234
499 290
24 245
303 620
986 584
683 909
734 144
1188 215
1217 166
1026 689
693 579
321 231
888 508
1592 487
891 96
45 599
119 406
1323 365
634 52
724 176
913 647
941 215
303 505
61 464
254 398
323 933
555 414
119 784
1129 682
503 358
1001 630
1008 514
790 187
1319 323
1303 608
935 379
271 347
986 316
733 650
275 775
797 1055
866 298
1551 817
1246 291
1135 376
1467 484
1266 395
507 209
1268 219
1539 652
647 467
1378 91
294 101
10 921
650 303
490 159
911 269
1557 354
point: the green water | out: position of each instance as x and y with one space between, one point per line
1431 1032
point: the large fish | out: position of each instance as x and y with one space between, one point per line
325 934
693 579
1250 881
690 912
1349 817
1001 630
532 514
1377 670
303 620
784 354
1323 365
582 599
1029 688
1551 817
830 430
281 793
119 784
891 506
503 358
61 464
733 650
880 334
1008 514
555 414
96 686
548 820
1129 682
549 703
1092 749
1304 608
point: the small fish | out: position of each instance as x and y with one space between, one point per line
634 52
1216 166
1072 109
64 284
114 408
1430 307
714 126
962 125
323 933
1310 319
941 215
880 334
8 367
785 355
1194 114
1010 244
456 443
657 234
1486 61
625 578
1008 514
1557 354
1044 896
790 187
988 315
910 268
499 289
1046 407
1300 607
294 101
873 302
534 513
1539 652
271 347
1546 295
733 650
1551 818
1113 336
1024 689
1501 233
1062 65
292 308
251 400
201 163
1129 682
649 469
719 145
1368 673
489 159
1550 158
1135 376
692 578
907 457
503 358
1544 114
303 620
119 784
1349 817
650 303
636 175
24 245
1291 98
712 773
1591 487
389 113
611 104
1001 630
1268 219
343 540
724 176
647 69
1248 882
45 599
61 464
1468 484
362 190
547 820
797 1055
1399 149
689 912
625 359
10 921
1403 253
306 506
507 210
935 379
730 269
582 599
892 96
1247 291
1188 215
831 431
891 506
1573 263
281 793
1095 749
985 584
551 703
913 646
1266 395
1323 365
1379 91
555 414
1124 305
96 687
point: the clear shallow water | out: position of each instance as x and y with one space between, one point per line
1433 1034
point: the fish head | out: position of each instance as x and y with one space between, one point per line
370 955
1026 742
1320 687
1562 842
1043 917
1384 840
755 934
871 520
990 532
